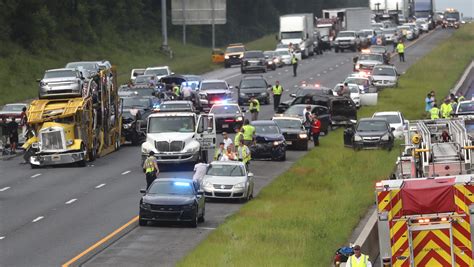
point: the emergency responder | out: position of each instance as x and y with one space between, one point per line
446 109
434 112
315 129
151 169
248 132
460 97
254 108
358 259
243 153
238 136
277 90
176 90
294 63
416 140
401 51
219 151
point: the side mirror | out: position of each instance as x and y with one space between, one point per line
143 191
392 129
293 95
231 87
172 73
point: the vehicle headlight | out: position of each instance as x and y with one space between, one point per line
240 118
361 87
127 126
303 136
277 143
207 184
276 60
240 185
357 66
226 57
242 94
386 137
69 142
145 206
264 93
241 55
357 138
191 148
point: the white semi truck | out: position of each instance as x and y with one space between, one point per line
297 29
352 19
394 10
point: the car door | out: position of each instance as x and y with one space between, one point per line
343 109
349 136
206 131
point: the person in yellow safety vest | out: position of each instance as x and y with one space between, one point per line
176 90
254 108
401 51
446 109
460 97
248 132
243 153
151 169
219 151
294 63
434 112
238 136
358 259
277 90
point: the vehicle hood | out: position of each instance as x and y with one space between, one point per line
224 179
371 134
253 90
293 41
234 54
291 130
345 38
368 62
168 199
227 115
216 91
58 80
384 78
168 137
269 137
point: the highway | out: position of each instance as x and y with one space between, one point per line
50 215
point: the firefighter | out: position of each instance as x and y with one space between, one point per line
151 169
254 108
248 132
434 112
446 109
243 153
416 141
277 90
358 259
294 63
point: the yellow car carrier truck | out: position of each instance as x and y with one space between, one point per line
76 129
426 221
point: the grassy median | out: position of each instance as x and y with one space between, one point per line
19 68
305 214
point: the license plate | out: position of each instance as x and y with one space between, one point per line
55 157
225 125
289 142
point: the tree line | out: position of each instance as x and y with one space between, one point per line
36 24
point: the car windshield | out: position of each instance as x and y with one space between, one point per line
466 107
59 74
157 72
235 49
374 57
390 118
253 83
378 49
86 65
253 54
291 35
142 79
293 124
225 170
404 27
13 107
136 102
213 85
283 53
136 92
171 124
230 109
353 88
346 34
296 110
372 126
268 53
267 129
379 71
171 188
389 31
192 84
324 31
358 81
175 106
363 34
451 15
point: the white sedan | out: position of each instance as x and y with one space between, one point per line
228 179
396 121
353 88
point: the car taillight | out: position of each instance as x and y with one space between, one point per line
229 120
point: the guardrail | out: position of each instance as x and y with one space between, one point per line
466 81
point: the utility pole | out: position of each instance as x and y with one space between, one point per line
213 25
164 32
184 22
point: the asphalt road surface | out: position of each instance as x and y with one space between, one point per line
50 215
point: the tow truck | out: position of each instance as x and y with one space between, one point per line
426 221
435 148
451 18
76 129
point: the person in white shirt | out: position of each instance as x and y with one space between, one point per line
200 170
227 141
187 92
358 259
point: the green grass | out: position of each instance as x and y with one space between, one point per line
305 214
20 68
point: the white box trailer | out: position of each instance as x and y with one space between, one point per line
297 29
352 19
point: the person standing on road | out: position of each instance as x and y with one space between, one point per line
220 151
238 136
4 133
226 140
200 170
307 120
358 259
434 112
243 153
248 132
187 93
294 63
401 51
254 108
315 129
277 90
428 103
446 109
151 169
13 134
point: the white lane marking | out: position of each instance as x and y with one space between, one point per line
279 73
36 175
126 172
337 66
270 77
4 189
232 76
325 72
99 186
312 59
310 78
207 228
71 201
330 68
92 165
2 237
342 63
318 74
286 70
38 219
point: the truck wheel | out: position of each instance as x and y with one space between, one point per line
33 166
142 222
135 139
336 49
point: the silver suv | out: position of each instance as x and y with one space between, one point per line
61 82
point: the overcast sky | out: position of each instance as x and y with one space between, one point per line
464 6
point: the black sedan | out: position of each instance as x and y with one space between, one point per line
228 117
134 117
172 200
296 136
369 134
269 141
